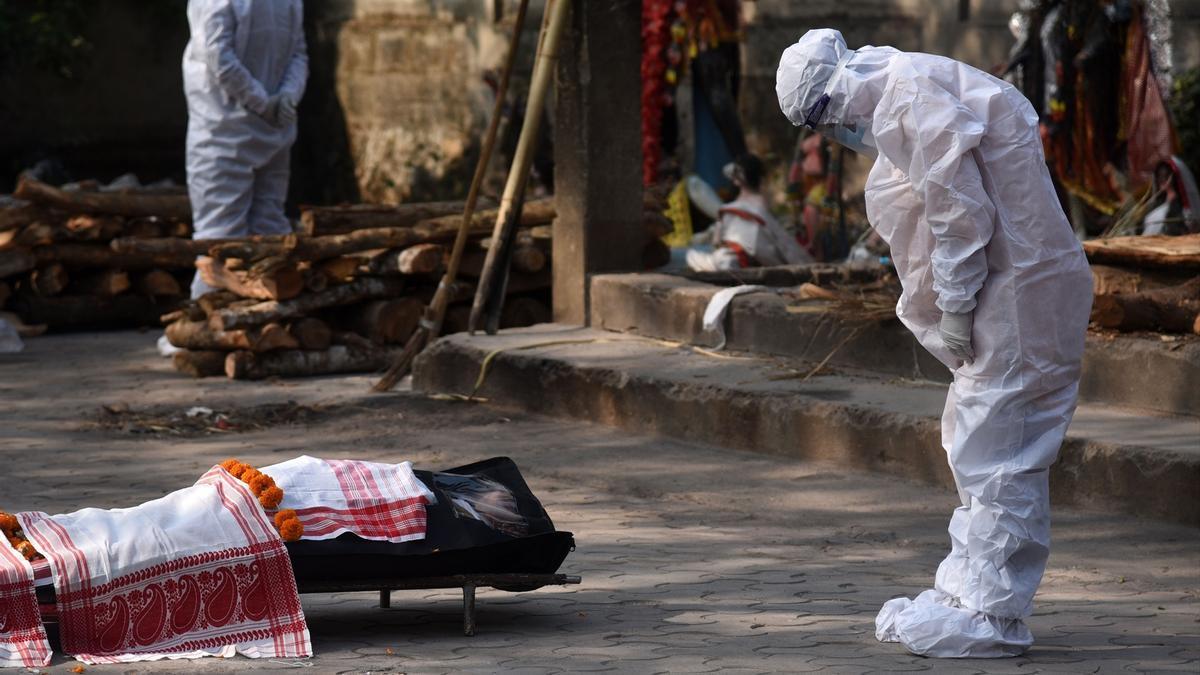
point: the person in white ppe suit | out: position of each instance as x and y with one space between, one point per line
994 284
244 72
746 233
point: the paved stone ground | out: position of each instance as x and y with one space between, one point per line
694 559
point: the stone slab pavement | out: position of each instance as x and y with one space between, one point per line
693 558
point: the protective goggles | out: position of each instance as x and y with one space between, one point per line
816 112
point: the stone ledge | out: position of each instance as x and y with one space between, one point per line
645 386
1124 371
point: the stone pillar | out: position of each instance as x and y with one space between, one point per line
597 151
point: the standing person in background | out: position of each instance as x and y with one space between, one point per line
244 72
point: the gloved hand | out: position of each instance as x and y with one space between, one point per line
287 111
271 112
956 334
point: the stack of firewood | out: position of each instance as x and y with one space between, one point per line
1146 283
57 267
346 292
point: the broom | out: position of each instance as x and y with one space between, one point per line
431 319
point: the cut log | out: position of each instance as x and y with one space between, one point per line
529 259
1171 310
213 300
196 335
104 282
190 311
338 270
8 239
325 220
16 261
89 227
77 312
386 321
274 336
50 280
311 333
1154 251
299 363
19 214
200 363
102 255
159 284
524 311
109 203
265 312
40 233
281 283
419 260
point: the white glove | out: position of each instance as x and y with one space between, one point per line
287 112
271 111
956 334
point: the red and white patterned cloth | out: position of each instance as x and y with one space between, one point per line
199 572
23 641
383 502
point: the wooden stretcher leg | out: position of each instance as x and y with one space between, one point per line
385 599
469 610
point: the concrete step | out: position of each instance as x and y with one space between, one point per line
1113 460
1133 372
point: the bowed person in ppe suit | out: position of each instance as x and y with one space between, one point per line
994 284
244 72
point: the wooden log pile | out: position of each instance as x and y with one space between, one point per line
346 292
1146 283
57 267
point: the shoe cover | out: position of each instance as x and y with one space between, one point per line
933 624
165 348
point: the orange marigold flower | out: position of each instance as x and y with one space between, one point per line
239 469
249 474
8 523
260 483
291 530
284 516
229 464
270 497
15 541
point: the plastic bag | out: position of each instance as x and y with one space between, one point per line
480 498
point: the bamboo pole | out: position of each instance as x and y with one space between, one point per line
518 175
435 313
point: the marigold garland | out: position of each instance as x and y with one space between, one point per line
269 495
11 529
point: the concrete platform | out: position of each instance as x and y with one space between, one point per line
1114 459
1131 372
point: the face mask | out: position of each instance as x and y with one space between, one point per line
854 137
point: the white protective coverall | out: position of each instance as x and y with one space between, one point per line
961 192
241 53
745 235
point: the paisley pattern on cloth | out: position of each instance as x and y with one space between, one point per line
199 572
23 641
381 502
